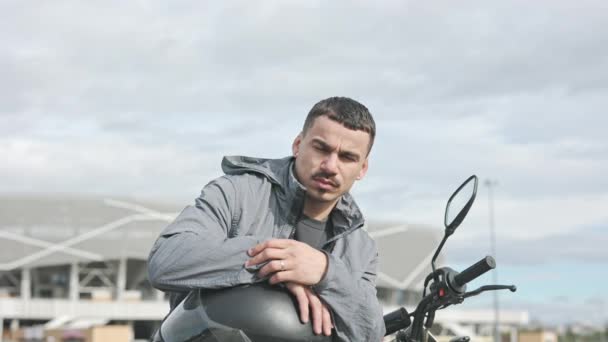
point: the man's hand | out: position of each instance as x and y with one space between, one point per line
289 260
321 318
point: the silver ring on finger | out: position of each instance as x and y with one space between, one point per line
282 263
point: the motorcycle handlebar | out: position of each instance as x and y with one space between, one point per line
396 320
474 271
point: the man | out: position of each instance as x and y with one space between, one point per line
289 221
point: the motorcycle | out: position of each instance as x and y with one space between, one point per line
261 312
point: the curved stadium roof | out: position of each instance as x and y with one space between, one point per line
44 231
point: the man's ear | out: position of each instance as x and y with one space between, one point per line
363 171
295 147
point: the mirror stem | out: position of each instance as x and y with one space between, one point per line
445 237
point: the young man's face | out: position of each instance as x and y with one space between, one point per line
329 158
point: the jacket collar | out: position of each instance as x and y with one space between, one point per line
346 215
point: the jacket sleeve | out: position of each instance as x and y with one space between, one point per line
195 250
351 295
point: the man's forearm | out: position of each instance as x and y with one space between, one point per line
186 261
352 298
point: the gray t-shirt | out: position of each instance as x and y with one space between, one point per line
313 232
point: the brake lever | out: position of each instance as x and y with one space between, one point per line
485 288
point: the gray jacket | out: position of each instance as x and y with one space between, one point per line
256 200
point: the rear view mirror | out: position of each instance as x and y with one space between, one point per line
459 204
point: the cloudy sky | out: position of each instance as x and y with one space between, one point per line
142 99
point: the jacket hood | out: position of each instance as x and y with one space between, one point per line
346 216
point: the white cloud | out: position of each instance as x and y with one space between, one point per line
106 167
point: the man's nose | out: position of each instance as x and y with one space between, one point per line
330 163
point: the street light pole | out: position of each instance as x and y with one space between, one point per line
491 184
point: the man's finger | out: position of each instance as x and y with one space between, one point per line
316 310
257 248
272 266
282 277
265 255
300 294
274 243
303 304
327 324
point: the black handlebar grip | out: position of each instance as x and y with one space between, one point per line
396 320
480 267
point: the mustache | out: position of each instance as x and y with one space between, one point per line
326 177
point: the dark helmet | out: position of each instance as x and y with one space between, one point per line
256 313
